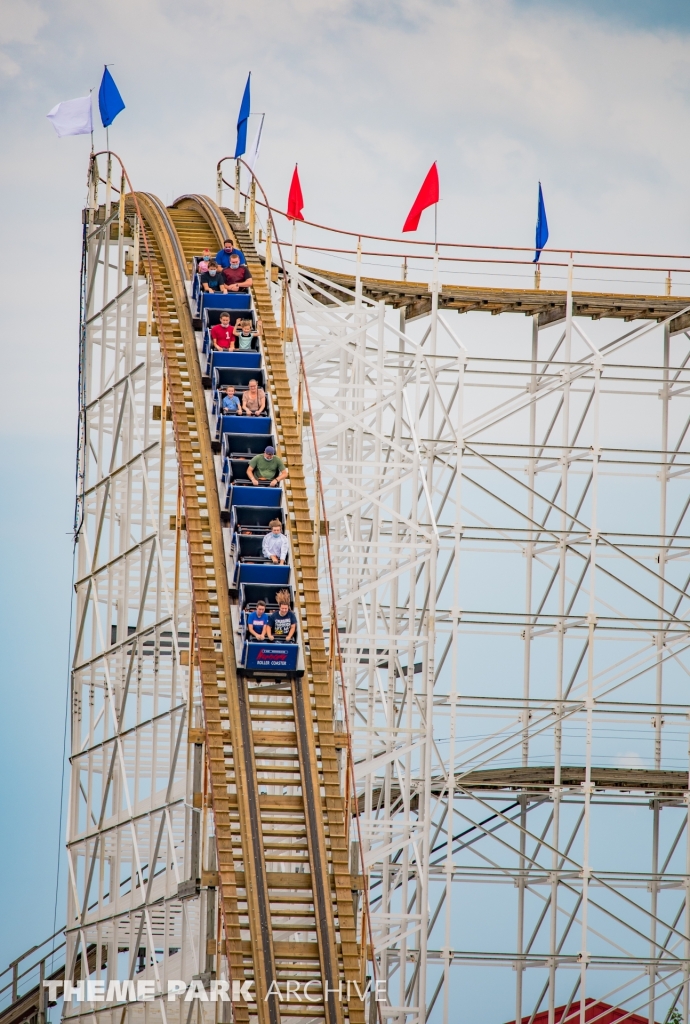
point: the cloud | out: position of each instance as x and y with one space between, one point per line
8 67
629 759
501 92
20 22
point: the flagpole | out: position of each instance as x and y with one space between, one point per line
293 278
434 289
541 238
90 97
108 185
358 277
241 144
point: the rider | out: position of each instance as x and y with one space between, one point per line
223 255
222 334
254 400
275 544
282 625
266 470
257 623
237 277
212 280
231 403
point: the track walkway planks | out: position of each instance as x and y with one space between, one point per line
283 861
547 304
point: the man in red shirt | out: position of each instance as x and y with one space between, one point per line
222 335
237 277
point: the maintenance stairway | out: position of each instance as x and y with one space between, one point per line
285 885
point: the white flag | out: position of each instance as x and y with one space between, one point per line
72 117
253 153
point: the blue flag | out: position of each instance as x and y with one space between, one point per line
542 227
242 118
110 103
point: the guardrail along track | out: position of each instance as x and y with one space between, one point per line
284 872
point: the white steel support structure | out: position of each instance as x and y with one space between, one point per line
135 824
510 538
506 517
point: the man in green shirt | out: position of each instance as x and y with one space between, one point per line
266 470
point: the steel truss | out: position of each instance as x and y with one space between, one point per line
509 532
133 775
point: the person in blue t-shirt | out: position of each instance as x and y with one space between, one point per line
257 624
231 403
223 255
282 625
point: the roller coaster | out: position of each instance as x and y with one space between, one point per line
346 826
283 860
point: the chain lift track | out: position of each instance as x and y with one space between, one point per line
247 823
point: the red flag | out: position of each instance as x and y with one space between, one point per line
428 195
295 200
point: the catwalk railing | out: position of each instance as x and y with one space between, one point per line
465 265
22 993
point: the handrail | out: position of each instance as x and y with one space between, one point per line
33 949
29 969
459 245
474 259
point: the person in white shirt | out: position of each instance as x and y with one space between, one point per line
275 544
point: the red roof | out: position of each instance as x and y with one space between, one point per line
596 1012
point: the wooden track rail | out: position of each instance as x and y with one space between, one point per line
283 860
212 649
547 304
663 784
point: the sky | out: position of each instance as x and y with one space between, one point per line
592 97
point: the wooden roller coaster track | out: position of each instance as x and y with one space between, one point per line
285 885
